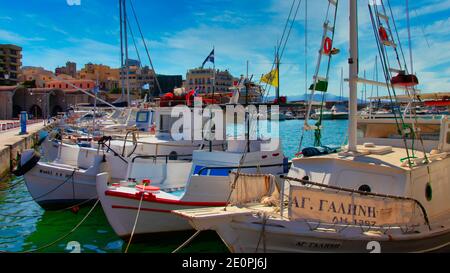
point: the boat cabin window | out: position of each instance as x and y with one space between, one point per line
383 130
166 122
142 117
211 172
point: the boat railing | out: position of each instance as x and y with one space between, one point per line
204 169
352 192
166 158
106 142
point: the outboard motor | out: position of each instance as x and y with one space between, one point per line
28 160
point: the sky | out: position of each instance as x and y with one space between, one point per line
181 33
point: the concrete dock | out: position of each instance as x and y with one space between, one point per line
11 144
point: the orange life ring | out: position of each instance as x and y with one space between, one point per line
327 46
383 34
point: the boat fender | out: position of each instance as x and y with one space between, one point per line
173 155
41 140
28 160
104 166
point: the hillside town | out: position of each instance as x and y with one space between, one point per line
44 93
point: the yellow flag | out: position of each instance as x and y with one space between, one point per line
271 78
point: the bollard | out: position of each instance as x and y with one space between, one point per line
23 123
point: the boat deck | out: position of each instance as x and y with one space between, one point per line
396 158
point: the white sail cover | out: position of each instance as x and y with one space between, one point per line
354 209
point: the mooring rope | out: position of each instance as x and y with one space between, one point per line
135 222
187 242
10 187
46 194
55 211
262 235
62 237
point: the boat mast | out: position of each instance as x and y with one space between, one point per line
212 100
353 75
278 75
127 68
121 49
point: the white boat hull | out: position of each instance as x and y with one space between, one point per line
246 237
154 213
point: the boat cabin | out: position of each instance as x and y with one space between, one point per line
385 132
383 165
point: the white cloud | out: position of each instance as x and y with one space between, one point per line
14 38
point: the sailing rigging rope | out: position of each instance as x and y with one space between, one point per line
412 129
282 37
306 70
290 29
284 40
145 46
317 133
385 65
134 41
425 36
408 23
398 36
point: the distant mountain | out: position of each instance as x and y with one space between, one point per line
317 97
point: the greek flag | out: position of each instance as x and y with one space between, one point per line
210 58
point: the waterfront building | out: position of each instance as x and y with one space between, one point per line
138 78
10 63
38 102
202 79
67 84
107 77
70 69
35 77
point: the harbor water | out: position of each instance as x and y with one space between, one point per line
24 226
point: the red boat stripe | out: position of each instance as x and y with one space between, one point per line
153 199
142 209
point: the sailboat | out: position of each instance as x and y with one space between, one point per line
378 195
